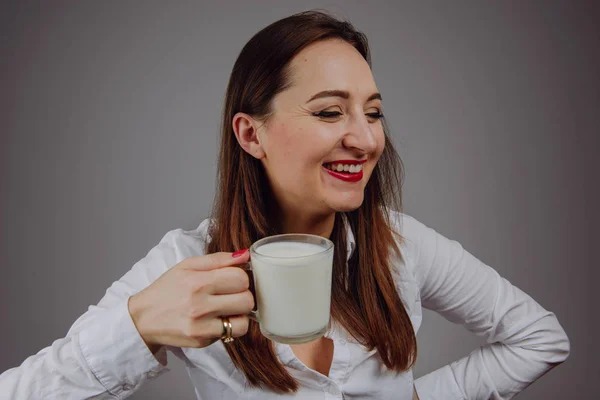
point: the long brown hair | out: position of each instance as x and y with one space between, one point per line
365 300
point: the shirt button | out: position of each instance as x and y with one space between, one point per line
126 387
152 374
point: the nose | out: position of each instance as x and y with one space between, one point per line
360 136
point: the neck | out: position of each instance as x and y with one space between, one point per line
321 225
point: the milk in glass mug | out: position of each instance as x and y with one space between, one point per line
292 284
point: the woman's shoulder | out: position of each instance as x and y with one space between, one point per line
416 240
408 227
179 244
188 238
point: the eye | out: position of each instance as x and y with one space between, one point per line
328 114
375 115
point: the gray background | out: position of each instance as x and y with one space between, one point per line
109 124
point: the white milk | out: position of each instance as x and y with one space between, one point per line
293 290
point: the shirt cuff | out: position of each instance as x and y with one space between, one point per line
437 385
117 354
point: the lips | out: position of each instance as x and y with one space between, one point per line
345 170
346 176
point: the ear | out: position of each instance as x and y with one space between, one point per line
246 132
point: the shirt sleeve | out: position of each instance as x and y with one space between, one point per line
524 340
103 355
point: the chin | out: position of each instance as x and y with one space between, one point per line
347 208
347 205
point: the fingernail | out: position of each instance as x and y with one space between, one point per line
239 253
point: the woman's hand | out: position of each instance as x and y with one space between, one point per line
183 307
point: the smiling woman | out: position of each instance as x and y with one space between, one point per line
304 149
306 109
335 127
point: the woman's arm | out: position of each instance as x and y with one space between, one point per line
524 340
102 355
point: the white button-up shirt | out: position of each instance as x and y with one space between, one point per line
104 357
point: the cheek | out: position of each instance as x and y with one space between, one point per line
279 146
298 146
380 139
288 155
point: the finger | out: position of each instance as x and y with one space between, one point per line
214 260
230 304
228 280
239 325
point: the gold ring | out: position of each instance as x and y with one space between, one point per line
227 330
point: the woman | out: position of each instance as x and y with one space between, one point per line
304 149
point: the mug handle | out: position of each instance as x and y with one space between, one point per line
253 314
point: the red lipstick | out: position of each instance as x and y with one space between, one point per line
350 162
344 175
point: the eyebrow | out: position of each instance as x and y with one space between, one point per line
341 93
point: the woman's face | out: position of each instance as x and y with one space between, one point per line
324 138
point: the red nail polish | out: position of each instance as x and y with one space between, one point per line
239 253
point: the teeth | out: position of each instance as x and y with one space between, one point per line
351 168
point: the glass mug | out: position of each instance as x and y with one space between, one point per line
292 286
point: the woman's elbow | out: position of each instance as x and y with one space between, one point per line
563 347
559 345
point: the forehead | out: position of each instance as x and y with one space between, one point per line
330 65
